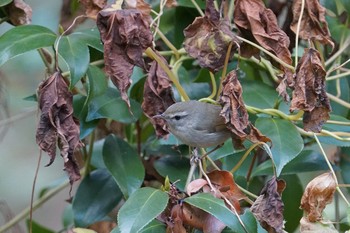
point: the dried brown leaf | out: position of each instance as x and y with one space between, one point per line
140 5
57 124
224 182
195 185
309 92
313 24
208 38
171 3
268 207
125 35
318 193
312 227
19 12
157 96
191 216
256 21
92 7
235 113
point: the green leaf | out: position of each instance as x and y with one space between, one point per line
141 208
175 167
77 57
97 84
218 209
154 227
124 164
90 37
96 196
291 198
80 111
115 230
286 140
306 161
111 105
264 98
37 228
24 38
5 2
187 3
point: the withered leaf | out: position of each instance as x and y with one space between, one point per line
256 21
235 113
313 22
195 185
309 92
318 193
312 227
224 182
92 7
125 35
19 12
157 96
268 207
171 3
140 5
208 38
191 216
57 124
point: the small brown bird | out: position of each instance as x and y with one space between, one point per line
196 123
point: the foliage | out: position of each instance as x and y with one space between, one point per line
282 91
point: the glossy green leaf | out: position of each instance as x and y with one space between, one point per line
97 84
81 111
76 55
154 227
265 97
286 140
124 164
187 3
141 208
5 2
90 37
306 161
218 209
24 38
96 196
37 228
291 197
175 167
111 105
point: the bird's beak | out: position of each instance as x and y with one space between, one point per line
158 116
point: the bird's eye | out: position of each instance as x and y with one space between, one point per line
177 117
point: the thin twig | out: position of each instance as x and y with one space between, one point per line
297 33
33 190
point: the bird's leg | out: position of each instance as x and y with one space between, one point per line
211 151
194 162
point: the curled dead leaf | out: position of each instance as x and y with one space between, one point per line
318 193
309 92
140 5
313 24
92 7
235 113
208 38
195 185
268 207
312 227
254 20
57 124
157 96
125 35
188 215
19 12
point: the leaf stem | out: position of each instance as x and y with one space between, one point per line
236 167
268 53
214 87
169 44
197 7
338 76
298 31
224 70
32 195
338 53
171 75
338 100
